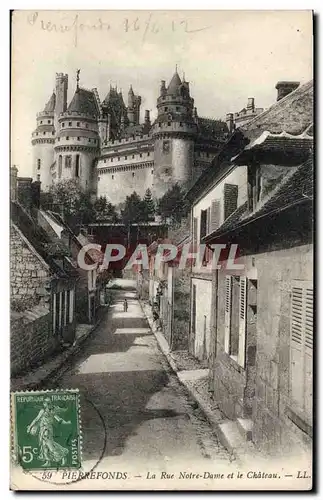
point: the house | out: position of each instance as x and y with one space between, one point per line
89 285
42 287
258 328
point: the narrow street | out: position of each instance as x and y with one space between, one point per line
134 411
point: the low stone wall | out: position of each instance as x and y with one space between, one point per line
32 340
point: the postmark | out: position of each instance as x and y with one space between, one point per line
46 428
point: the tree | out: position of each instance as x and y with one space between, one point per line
172 204
104 210
73 202
148 207
132 211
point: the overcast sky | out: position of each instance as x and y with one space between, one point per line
227 56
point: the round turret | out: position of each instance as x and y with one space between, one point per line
43 139
174 132
77 141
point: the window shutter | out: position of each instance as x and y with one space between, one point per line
54 312
242 320
208 221
227 314
194 233
215 215
302 346
203 223
60 309
193 310
71 311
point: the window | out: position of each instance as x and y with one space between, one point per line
230 193
111 159
177 108
41 121
166 108
159 124
133 174
140 155
235 317
38 177
112 177
60 160
77 166
68 161
180 124
105 161
148 154
48 121
169 124
90 140
77 124
203 226
69 124
125 157
301 347
254 186
38 163
152 171
63 125
78 138
133 156
67 138
118 158
166 146
215 215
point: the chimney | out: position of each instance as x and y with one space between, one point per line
251 104
285 88
24 192
147 117
13 183
35 194
163 87
230 122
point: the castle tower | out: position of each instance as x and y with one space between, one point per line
61 86
131 106
43 139
174 132
77 142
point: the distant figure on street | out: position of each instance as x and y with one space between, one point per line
125 305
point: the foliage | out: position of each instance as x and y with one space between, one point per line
148 207
132 211
104 210
172 204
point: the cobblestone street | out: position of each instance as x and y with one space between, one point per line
134 410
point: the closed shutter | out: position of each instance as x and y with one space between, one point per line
193 310
215 215
65 307
227 313
208 220
60 309
203 224
71 311
54 312
195 220
242 320
302 346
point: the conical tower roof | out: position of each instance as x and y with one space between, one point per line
83 102
50 106
174 84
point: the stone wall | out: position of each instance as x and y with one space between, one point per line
29 275
31 339
181 311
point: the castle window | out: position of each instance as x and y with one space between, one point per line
133 174
60 166
152 171
78 138
77 124
38 177
168 123
59 139
38 164
48 121
166 146
41 121
118 158
140 155
77 166
111 159
98 178
44 133
69 124
159 124
148 154
177 108
180 124
67 138
105 161
112 177
63 125
36 133
90 140
166 108
53 133
133 156
125 157
68 161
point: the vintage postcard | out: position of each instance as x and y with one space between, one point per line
161 250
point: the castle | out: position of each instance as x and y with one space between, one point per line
105 145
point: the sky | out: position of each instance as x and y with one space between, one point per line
227 56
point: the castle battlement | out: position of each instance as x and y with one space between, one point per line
71 114
45 113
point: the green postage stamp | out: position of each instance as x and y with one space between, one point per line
46 429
